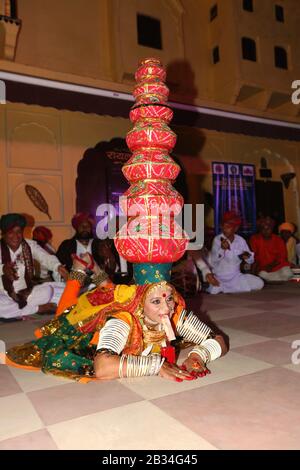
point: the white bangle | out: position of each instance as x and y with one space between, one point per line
121 363
191 328
114 335
140 366
202 353
208 351
213 347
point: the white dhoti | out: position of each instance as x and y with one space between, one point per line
239 283
57 290
40 295
283 274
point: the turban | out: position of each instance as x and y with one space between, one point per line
42 234
231 218
82 217
10 221
287 226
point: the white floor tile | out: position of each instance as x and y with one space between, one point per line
233 312
18 416
136 426
239 338
36 380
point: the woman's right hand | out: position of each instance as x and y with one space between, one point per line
174 373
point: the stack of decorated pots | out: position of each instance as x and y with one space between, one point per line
151 234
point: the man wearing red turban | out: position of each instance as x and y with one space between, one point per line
43 236
231 218
103 251
82 242
82 218
228 250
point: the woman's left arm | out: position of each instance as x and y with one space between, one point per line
106 365
110 366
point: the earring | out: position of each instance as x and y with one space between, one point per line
140 313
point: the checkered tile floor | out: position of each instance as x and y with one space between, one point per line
250 401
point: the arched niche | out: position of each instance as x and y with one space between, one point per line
99 175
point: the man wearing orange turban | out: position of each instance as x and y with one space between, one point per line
286 231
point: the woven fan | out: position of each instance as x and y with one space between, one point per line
37 199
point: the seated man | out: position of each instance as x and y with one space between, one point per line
18 296
271 261
43 236
103 251
82 242
228 250
286 231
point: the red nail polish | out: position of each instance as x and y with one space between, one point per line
178 379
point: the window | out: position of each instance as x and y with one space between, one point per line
13 8
216 55
8 8
149 32
213 12
280 56
279 13
248 5
249 49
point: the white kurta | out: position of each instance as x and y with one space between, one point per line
40 270
226 267
82 249
41 294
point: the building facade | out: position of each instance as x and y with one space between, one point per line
69 65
